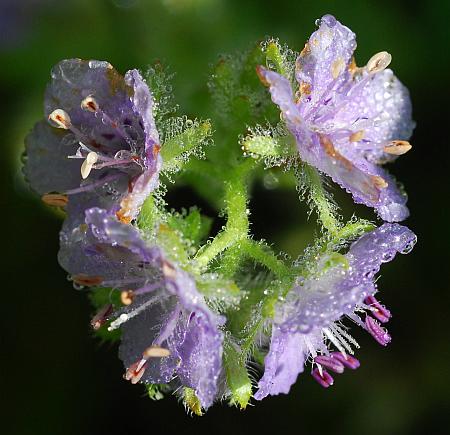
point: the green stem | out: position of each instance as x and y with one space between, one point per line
237 225
319 196
266 257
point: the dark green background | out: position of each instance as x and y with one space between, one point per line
56 379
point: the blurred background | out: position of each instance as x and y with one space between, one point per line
57 379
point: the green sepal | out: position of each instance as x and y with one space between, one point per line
275 58
176 149
267 146
334 260
159 80
191 401
237 376
148 215
157 391
192 225
173 244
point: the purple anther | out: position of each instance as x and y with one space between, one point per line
348 361
333 364
379 333
323 378
380 312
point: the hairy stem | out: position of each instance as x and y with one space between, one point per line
320 199
237 225
263 254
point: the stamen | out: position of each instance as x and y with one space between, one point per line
90 104
155 352
322 377
305 88
101 317
124 317
397 147
135 372
55 199
347 360
379 311
86 280
377 332
60 119
337 67
116 323
379 182
168 270
333 364
357 136
378 62
88 163
344 336
126 297
334 340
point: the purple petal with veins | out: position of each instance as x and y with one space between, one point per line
167 309
345 118
106 117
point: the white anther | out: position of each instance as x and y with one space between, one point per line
337 67
88 163
90 104
55 199
60 119
397 147
379 62
155 352
379 182
357 136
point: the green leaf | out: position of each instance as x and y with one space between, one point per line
238 95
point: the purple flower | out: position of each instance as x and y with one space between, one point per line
347 120
99 145
309 316
169 335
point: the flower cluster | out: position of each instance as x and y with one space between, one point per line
190 313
